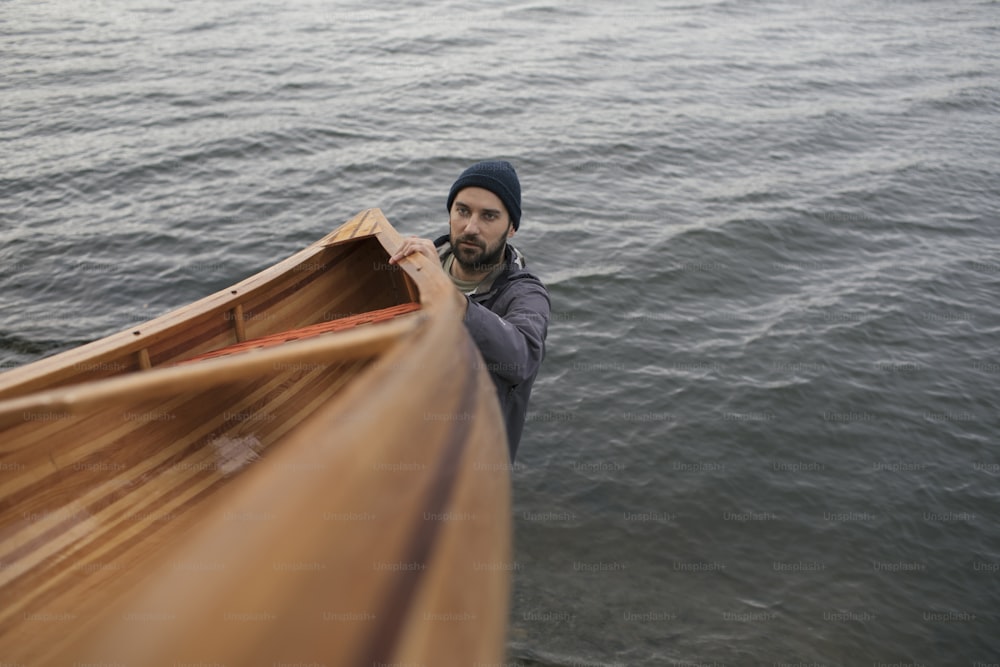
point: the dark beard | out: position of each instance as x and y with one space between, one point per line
479 260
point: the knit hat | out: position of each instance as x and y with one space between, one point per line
497 176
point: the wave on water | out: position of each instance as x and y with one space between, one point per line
579 277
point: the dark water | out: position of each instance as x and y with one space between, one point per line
767 429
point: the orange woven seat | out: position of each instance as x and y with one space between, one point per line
310 331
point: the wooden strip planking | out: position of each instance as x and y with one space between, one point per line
175 447
358 436
206 484
354 343
398 603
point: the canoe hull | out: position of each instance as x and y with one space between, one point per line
348 508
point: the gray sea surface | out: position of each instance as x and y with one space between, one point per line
766 430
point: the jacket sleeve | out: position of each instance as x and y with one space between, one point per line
513 342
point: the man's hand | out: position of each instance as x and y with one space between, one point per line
425 247
412 244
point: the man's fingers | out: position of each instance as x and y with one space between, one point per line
411 245
401 252
405 248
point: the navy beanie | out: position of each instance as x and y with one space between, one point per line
497 176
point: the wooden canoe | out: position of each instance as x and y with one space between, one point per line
331 499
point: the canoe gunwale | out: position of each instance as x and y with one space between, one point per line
38 375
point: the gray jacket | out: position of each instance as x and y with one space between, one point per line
509 320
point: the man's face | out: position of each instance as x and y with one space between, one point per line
480 227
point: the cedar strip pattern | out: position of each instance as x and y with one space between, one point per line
115 450
398 603
297 604
342 324
357 226
191 486
105 517
206 334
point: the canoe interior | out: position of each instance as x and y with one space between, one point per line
314 286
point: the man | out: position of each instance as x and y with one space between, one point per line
506 308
